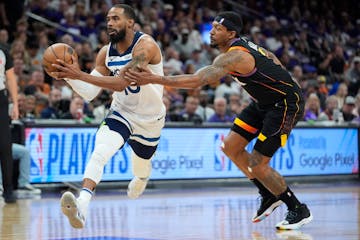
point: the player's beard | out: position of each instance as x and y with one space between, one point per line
213 44
118 37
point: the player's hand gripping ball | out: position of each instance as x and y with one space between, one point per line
61 51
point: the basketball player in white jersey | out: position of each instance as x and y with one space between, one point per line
137 114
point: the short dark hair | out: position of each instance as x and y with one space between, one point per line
128 10
231 20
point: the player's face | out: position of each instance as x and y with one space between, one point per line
116 24
218 35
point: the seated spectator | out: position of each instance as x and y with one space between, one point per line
52 111
195 60
4 38
76 109
227 88
204 110
331 104
37 85
235 103
353 76
322 85
341 93
22 105
30 107
220 115
188 113
347 109
312 107
21 153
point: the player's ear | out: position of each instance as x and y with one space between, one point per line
130 23
232 34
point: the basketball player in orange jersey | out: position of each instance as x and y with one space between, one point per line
277 106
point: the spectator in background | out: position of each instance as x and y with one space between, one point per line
297 73
334 63
37 85
341 93
331 104
183 45
226 88
195 60
323 89
21 75
256 36
4 39
172 63
71 25
52 111
348 108
89 30
76 109
30 107
220 115
171 115
21 153
235 104
18 50
352 76
168 16
204 110
312 107
32 48
188 114
22 105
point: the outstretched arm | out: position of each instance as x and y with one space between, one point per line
222 65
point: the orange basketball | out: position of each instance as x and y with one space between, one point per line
57 51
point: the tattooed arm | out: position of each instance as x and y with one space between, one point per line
144 52
222 65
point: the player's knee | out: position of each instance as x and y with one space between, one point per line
106 136
226 149
231 151
141 167
107 143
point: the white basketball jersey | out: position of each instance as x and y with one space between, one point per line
136 103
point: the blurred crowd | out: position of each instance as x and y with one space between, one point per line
321 49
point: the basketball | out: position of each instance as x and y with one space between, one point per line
57 51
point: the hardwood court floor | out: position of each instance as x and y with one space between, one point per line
197 213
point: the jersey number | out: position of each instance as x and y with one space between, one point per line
132 89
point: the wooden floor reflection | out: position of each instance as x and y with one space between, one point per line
208 213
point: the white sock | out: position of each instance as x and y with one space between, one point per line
84 200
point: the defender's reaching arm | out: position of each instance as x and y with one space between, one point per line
225 63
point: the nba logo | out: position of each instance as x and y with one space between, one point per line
221 162
35 145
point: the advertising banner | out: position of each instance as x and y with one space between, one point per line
60 154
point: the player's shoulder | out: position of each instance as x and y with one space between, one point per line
104 49
148 40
